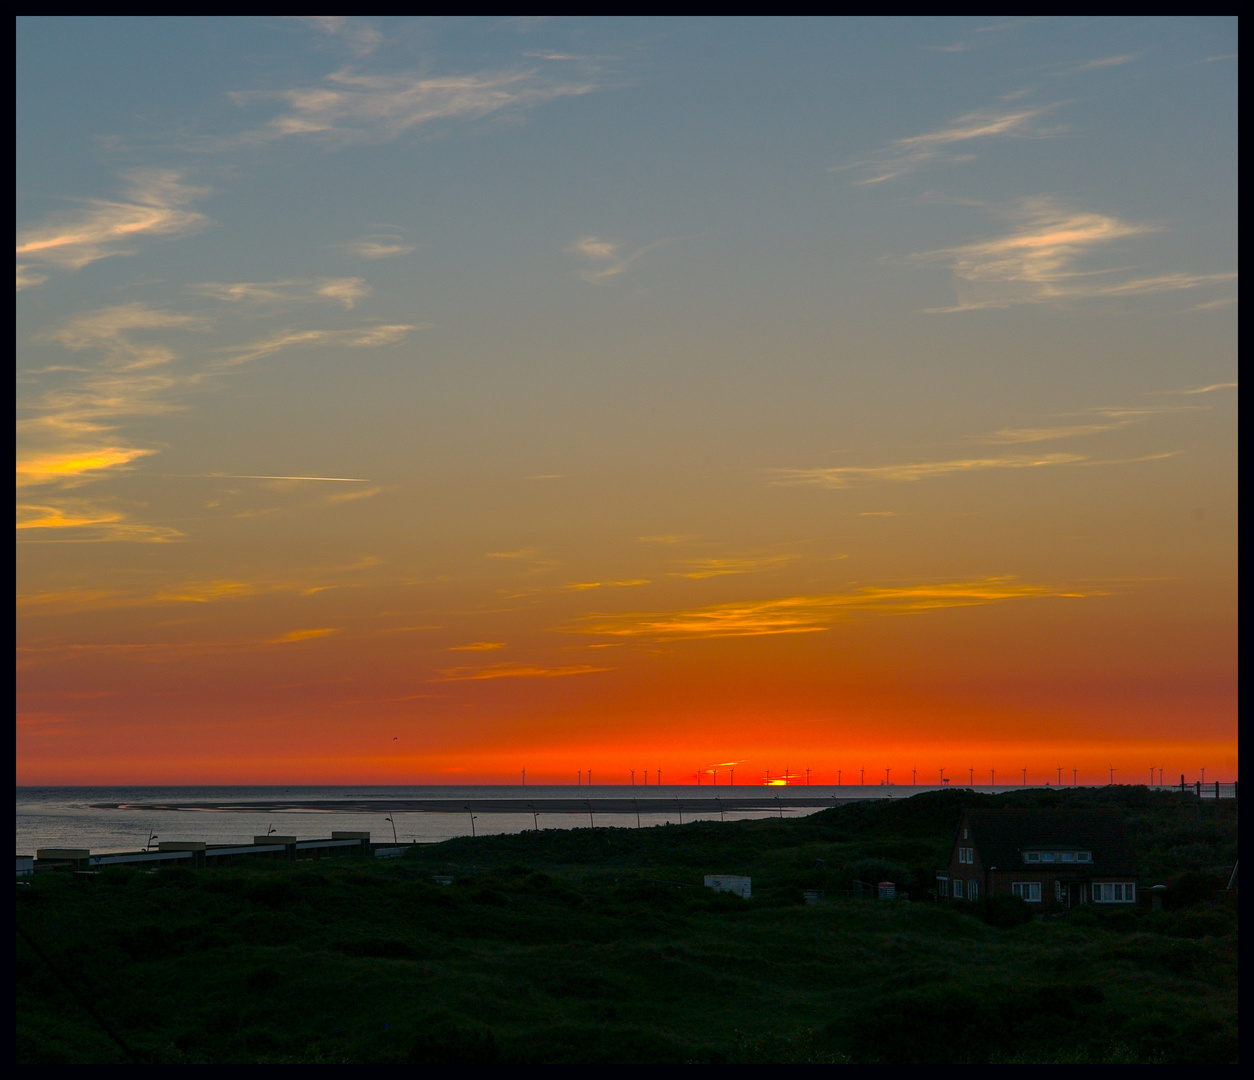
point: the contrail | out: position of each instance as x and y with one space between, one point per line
243 476
328 479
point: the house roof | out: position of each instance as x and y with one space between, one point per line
1001 837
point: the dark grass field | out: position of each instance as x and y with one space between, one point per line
602 946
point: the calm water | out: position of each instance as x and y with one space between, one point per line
64 817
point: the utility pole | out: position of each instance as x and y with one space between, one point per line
914 777
524 776
1112 776
971 777
1074 781
887 773
732 782
633 777
1025 777
862 777
838 778
579 778
807 777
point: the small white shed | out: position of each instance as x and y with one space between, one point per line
741 886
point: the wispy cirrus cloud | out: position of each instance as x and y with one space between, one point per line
357 35
156 203
349 106
1041 259
1210 389
1094 421
605 259
367 337
344 291
308 634
82 521
810 614
953 142
1109 61
517 671
68 467
379 246
1011 436
195 591
843 476
707 568
68 433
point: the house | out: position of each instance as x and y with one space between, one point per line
1047 857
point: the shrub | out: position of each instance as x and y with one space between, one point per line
1003 911
1192 888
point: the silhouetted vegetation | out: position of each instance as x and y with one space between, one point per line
602 946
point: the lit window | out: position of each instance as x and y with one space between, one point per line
1114 892
958 888
1047 856
1068 856
1028 890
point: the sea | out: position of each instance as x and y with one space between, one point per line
114 819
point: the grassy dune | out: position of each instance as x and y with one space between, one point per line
582 945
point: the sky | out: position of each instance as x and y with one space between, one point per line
422 401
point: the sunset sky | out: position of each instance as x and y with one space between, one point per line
416 401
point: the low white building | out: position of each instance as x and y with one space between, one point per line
741 886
